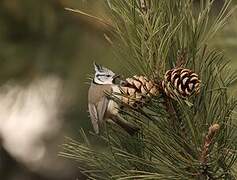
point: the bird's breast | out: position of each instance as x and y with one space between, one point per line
113 106
97 92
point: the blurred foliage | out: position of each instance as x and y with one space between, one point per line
226 41
37 39
40 38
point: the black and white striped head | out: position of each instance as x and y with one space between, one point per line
103 75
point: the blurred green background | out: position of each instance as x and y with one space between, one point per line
41 38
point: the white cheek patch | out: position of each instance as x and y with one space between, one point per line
97 81
103 79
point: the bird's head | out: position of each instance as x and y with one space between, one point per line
103 75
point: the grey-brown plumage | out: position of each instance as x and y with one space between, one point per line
97 104
100 107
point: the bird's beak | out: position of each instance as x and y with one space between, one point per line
115 80
116 76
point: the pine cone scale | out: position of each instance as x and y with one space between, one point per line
180 82
185 80
136 90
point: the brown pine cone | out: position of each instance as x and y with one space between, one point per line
181 82
137 90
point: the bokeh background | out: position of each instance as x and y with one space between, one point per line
46 55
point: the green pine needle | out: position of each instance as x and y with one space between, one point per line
169 146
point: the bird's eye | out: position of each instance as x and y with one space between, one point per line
107 75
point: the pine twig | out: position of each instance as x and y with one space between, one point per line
172 111
144 5
181 58
213 129
99 20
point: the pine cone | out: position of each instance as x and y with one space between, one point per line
137 90
181 82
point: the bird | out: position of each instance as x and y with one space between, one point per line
102 108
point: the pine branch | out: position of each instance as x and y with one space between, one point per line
150 34
172 113
97 19
213 129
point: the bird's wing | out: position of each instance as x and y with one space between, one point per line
101 108
94 117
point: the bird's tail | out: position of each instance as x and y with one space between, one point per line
128 127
